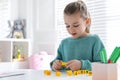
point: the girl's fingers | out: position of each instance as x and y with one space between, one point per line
56 65
69 63
54 68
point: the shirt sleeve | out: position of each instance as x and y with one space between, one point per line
86 65
97 48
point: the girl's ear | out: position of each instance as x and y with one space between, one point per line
88 21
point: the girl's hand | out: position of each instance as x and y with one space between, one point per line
56 65
74 65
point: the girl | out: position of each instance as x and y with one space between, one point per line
82 48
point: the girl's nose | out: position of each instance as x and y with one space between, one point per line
71 28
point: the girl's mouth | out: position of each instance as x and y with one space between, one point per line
73 34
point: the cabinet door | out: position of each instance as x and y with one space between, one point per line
5 51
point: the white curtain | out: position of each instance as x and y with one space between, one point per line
4 17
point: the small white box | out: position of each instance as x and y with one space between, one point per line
103 71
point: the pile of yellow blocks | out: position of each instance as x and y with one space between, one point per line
69 72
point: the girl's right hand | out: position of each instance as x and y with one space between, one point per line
56 65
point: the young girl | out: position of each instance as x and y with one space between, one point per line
82 48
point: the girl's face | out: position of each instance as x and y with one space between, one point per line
75 25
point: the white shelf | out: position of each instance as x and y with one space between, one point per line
9 48
7 66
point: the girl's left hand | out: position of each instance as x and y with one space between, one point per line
74 65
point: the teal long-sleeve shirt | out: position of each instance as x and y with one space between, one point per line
86 49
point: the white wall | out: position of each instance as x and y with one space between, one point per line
40 23
14 9
22 8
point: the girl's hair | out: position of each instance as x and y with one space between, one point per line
78 6
74 7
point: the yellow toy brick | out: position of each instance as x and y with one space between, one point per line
89 73
69 72
82 72
86 71
75 73
47 72
58 73
78 72
63 64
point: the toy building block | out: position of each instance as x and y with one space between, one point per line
89 73
58 73
47 72
63 64
69 72
86 71
82 71
78 72
75 73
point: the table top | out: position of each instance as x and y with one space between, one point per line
39 75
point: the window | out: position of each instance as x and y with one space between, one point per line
4 17
105 21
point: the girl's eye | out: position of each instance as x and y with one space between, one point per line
76 25
67 26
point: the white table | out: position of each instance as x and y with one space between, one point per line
39 75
